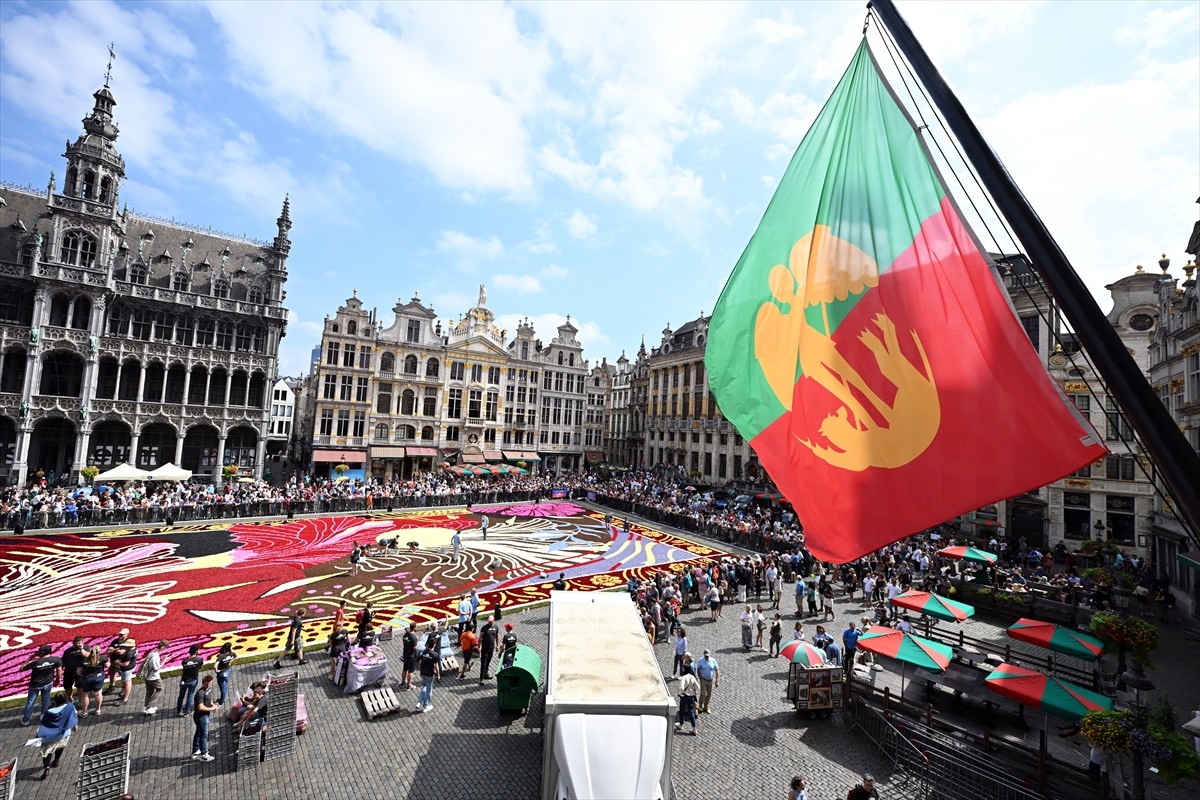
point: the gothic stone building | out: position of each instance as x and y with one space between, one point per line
127 339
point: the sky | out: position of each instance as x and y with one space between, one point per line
604 161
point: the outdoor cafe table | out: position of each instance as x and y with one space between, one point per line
367 666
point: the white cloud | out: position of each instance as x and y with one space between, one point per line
581 225
523 284
449 87
777 31
1157 26
554 271
467 251
951 31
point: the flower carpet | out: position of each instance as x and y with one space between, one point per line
237 582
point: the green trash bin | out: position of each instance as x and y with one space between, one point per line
518 678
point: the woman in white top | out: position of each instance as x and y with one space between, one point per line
747 620
680 649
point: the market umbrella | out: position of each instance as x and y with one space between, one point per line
934 605
769 496
802 653
1057 638
907 649
969 554
1051 695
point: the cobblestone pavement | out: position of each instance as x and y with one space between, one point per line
748 747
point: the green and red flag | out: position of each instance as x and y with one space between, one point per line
865 349
1058 697
1057 638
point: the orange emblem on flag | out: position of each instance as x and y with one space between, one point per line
862 433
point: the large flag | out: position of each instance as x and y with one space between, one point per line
865 349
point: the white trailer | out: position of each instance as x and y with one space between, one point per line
608 721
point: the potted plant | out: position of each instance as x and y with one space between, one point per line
229 470
1125 634
90 472
1126 731
341 469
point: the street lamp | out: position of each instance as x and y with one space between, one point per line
1135 678
1099 526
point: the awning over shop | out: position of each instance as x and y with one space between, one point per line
493 455
521 455
1189 559
471 458
423 452
387 452
338 456
595 455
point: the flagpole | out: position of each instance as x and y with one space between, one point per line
1177 463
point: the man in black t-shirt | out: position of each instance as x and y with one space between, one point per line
430 670
204 707
409 643
188 679
488 635
43 674
72 660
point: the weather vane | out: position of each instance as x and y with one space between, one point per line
108 70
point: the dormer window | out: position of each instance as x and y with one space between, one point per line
351 328
524 351
27 256
137 273
256 295
78 249
180 282
221 288
414 331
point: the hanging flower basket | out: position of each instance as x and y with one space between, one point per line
1122 631
1123 731
341 469
90 472
229 470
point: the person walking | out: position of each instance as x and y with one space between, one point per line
464 614
189 677
850 646
468 642
55 726
223 668
295 639
776 634
681 646
152 674
489 634
797 790
689 688
72 660
203 708
864 791
483 525
760 625
44 671
91 679
747 623
456 543
408 644
427 663
709 673
125 657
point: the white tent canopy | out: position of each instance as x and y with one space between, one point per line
170 472
123 472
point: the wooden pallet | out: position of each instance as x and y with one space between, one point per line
380 702
449 665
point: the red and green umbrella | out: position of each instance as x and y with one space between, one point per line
1051 695
1057 638
933 605
969 554
907 648
802 653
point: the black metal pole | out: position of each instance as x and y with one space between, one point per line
1177 463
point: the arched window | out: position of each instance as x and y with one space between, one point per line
525 350
137 273
60 307
256 295
351 328
220 288
410 365
560 359
81 316
399 434
89 184
78 248
410 433
62 374
333 328
427 433
387 363
69 187
571 360
105 189
381 431
180 282
431 368
408 402
12 371
225 335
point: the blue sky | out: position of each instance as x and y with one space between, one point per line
606 161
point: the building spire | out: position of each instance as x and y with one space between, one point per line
112 54
284 222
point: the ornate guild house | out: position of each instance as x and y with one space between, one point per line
126 338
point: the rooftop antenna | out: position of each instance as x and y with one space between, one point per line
108 70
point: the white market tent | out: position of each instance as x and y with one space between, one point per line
123 472
170 472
